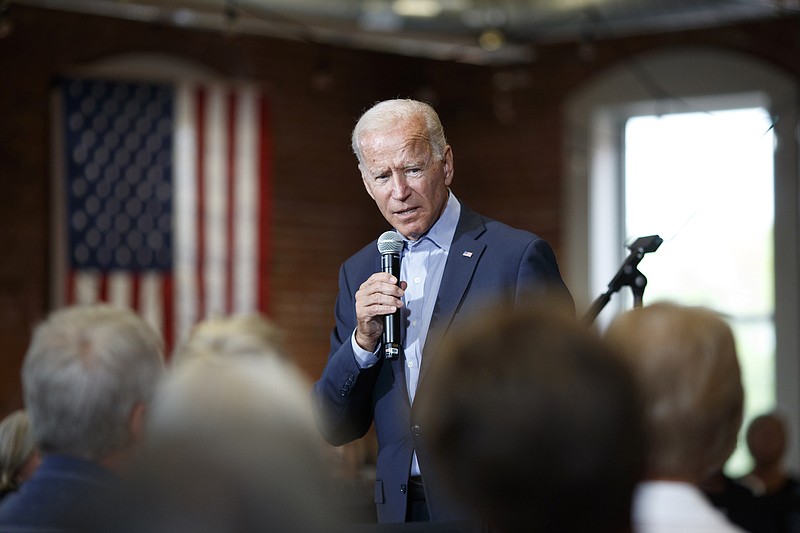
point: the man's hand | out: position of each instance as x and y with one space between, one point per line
379 295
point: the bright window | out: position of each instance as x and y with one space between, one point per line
704 183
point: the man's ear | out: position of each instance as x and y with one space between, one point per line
136 422
447 161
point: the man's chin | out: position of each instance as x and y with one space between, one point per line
411 235
411 230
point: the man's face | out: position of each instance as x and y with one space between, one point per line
401 175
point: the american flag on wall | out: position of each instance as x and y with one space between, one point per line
162 199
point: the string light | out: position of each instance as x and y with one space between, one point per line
491 39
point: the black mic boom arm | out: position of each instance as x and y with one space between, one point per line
628 274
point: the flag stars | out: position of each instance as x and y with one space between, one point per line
75 122
79 220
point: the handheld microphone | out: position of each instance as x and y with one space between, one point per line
390 244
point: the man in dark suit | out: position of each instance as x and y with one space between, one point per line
455 263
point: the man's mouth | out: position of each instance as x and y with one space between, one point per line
406 212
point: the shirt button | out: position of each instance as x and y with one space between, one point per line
414 323
417 279
410 363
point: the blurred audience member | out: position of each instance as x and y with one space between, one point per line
243 334
735 500
766 441
231 448
777 492
685 362
87 378
354 474
256 335
533 424
19 455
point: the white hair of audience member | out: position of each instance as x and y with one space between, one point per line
86 371
240 334
232 446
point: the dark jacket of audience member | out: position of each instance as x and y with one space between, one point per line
774 505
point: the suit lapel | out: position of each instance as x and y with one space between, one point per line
462 260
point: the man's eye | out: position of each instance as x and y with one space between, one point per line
413 170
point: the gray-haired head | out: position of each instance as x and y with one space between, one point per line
86 370
388 114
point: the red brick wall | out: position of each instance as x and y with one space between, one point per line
508 169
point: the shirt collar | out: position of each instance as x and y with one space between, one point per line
443 230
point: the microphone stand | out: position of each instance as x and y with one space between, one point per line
628 274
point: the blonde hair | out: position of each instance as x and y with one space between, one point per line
684 359
16 446
241 334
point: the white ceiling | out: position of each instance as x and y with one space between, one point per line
442 29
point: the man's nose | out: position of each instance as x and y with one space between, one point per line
400 189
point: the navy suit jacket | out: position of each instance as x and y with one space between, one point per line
489 264
59 496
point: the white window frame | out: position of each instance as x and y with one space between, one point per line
694 79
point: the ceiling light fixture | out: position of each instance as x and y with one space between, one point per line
417 8
491 39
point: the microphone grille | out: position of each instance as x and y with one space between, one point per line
390 242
